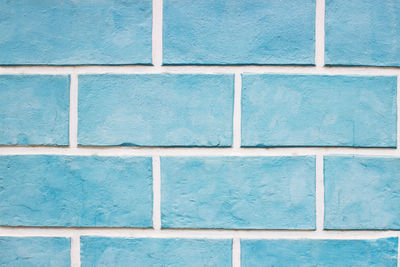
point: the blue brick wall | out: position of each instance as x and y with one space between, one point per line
199 133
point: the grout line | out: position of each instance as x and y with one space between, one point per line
75 250
237 111
236 252
320 34
203 69
319 195
157 33
196 151
156 193
196 233
73 112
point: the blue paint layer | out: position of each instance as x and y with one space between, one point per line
73 32
238 192
35 251
362 32
34 110
238 32
327 253
75 191
101 251
362 192
313 110
155 110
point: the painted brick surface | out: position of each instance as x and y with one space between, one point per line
34 110
35 251
238 192
334 253
238 32
362 32
155 110
75 191
75 32
316 110
101 251
362 192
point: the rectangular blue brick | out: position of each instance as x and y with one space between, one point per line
34 109
327 253
315 110
75 191
155 110
238 32
362 32
362 192
102 251
238 192
35 251
73 32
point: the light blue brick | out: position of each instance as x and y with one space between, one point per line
155 110
238 192
73 32
362 192
317 110
35 251
238 32
75 191
362 32
34 110
327 253
102 251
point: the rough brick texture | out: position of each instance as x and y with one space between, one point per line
315 110
35 251
75 191
199 133
75 32
236 192
102 251
34 110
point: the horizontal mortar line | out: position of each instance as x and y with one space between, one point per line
195 151
231 69
170 151
195 233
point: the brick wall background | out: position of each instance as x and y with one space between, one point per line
199 133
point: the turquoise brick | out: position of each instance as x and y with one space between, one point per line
327 253
362 192
238 192
70 32
238 32
34 110
155 110
75 191
317 110
362 32
35 251
102 251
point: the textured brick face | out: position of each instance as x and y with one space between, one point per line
75 32
75 191
101 251
338 253
34 110
199 133
362 192
313 110
238 32
362 32
156 110
35 251
244 193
